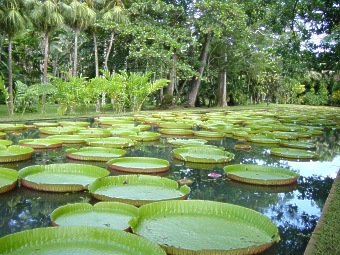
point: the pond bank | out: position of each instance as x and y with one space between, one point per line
324 239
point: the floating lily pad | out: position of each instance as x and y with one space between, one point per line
202 154
40 143
12 127
111 142
8 179
2 135
176 131
263 139
244 147
293 153
181 125
181 142
205 227
262 175
139 164
103 214
45 124
77 240
15 153
298 145
74 123
209 134
137 189
94 153
58 130
73 139
6 142
94 132
60 177
143 136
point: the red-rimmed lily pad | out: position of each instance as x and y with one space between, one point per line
139 164
2 135
40 143
94 132
94 153
245 147
73 139
58 130
298 145
137 189
209 134
293 153
145 136
77 240
103 214
111 142
202 154
8 179
45 124
60 177
205 227
15 153
263 139
181 125
261 175
176 131
181 142
74 123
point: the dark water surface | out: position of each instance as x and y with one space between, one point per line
294 208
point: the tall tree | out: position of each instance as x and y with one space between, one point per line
46 18
12 21
78 15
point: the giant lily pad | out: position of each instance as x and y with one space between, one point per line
74 123
60 177
15 153
202 154
139 164
209 134
12 127
94 132
2 135
181 142
137 189
58 130
181 125
6 142
77 240
176 131
94 153
264 139
73 139
262 175
8 179
40 143
111 142
103 214
205 227
293 153
45 124
143 136
298 145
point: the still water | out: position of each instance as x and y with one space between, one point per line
294 208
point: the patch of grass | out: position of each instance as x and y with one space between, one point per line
327 242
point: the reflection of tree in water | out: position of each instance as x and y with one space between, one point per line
328 145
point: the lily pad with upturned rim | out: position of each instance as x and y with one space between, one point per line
74 123
139 164
261 175
77 240
2 135
65 177
111 142
15 153
181 142
202 154
59 130
137 189
176 131
12 127
94 132
293 153
45 124
94 153
205 227
298 145
73 139
8 179
40 143
145 136
209 134
103 214
6 142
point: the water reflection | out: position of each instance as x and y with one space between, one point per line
294 208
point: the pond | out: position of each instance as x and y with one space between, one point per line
295 209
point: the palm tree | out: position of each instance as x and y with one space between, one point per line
46 18
12 21
78 16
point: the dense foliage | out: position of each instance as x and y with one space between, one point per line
209 52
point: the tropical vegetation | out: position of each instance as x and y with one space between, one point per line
79 54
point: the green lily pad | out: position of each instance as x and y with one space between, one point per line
8 179
74 123
176 131
15 153
94 132
209 134
143 136
293 153
205 227
285 135
12 127
202 154
60 177
262 175
181 125
2 135
94 153
6 142
139 165
137 189
77 240
45 124
111 142
103 214
73 139
264 139
59 130
181 142
298 145
40 143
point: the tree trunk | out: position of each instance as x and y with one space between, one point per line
222 86
196 81
108 52
10 78
44 78
172 76
75 53
95 54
